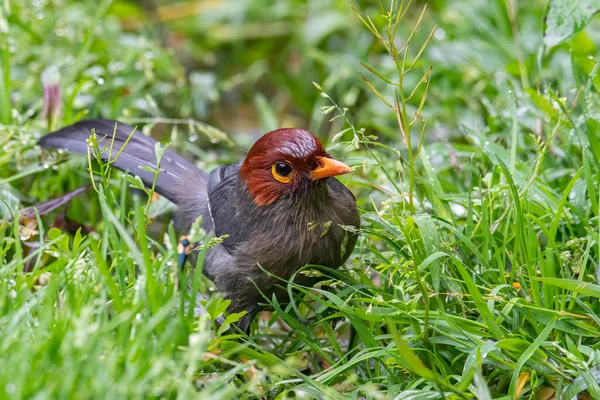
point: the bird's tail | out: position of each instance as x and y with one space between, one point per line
178 178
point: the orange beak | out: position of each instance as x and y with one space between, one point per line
330 167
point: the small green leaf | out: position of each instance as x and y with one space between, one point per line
77 239
231 319
147 168
431 242
516 347
565 18
135 182
215 307
159 151
54 234
532 349
326 228
585 288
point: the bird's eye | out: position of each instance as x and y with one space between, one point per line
282 172
283 169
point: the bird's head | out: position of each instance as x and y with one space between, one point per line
287 162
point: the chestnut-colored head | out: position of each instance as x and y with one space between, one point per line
287 162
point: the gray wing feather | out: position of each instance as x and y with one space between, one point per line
179 180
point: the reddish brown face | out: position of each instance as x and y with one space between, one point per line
283 161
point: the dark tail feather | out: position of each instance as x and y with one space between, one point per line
52 204
178 179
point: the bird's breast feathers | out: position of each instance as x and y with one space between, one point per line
289 233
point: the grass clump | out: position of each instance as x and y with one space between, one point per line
473 129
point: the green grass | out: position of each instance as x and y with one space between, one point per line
476 152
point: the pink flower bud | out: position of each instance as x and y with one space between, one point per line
52 94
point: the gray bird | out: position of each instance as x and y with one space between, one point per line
281 207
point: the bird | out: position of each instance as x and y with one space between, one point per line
278 209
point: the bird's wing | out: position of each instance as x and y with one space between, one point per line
179 179
226 207
220 194
223 174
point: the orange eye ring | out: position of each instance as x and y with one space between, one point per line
282 172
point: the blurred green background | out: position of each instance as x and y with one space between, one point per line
247 66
